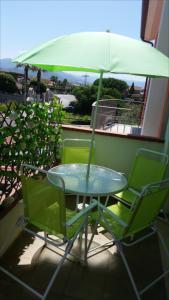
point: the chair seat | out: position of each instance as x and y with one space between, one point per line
127 195
120 211
48 219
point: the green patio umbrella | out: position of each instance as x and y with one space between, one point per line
99 52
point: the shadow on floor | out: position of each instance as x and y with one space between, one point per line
104 277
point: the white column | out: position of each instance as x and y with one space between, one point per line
156 113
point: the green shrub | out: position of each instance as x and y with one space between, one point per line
32 135
7 83
3 107
37 126
34 84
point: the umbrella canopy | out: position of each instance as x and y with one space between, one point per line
99 52
96 52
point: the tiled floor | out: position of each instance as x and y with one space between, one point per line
104 277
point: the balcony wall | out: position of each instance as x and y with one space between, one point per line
112 150
8 228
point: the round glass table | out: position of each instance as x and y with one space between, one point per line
101 182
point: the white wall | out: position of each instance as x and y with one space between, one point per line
155 117
113 151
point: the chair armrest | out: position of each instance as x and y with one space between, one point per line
117 219
134 192
82 213
32 168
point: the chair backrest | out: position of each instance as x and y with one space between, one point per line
44 203
76 151
148 167
147 206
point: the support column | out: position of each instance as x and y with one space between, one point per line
157 107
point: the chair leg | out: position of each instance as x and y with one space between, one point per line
80 246
84 201
107 200
68 248
77 202
33 291
163 243
85 245
43 297
128 271
164 218
130 274
94 231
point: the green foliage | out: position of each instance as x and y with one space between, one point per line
111 92
64 82
14 74
113 83
54 79
132 115
3 107
71 118
86 95
132 89
7 83
59 85
32 136
34 83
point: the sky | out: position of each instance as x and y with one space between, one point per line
26 24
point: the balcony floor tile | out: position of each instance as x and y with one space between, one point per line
104 278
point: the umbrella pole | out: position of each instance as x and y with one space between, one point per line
94 124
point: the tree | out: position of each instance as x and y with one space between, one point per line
85 96
34 83
7 83
54 79
64 83
38 89
120 85
113 93
132 89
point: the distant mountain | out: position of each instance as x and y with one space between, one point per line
73 77
7 65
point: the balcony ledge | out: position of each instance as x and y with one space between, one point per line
102 132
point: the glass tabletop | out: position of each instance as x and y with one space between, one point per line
101 182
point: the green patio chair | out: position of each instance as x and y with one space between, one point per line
76 151
125 223
148 167
44 208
